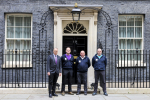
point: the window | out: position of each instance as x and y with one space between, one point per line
130 36
18 29
74 28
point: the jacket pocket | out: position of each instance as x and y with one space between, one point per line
96 68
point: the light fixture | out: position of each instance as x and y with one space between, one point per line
76 13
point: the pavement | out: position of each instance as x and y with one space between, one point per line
29 96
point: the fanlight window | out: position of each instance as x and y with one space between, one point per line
75 28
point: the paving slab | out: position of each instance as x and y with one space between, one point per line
2 95
14 99
137 96
16 96
116 98
44 96
39 97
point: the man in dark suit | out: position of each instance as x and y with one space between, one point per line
99 62
53 71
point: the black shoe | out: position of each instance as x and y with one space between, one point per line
77 93
85 93
54 94
105 94
50 95
94 93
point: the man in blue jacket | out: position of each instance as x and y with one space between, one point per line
67 65
82 63
99 62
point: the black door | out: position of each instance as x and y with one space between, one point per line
76 43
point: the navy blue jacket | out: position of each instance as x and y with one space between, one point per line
99 64
67 64
82 64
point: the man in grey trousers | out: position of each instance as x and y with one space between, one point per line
99 62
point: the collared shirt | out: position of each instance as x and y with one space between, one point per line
99 56
82 58
55 55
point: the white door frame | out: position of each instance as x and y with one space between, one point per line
91 38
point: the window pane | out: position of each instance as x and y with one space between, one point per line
25 56
18 32
138 31
17 44
138 43
26 44
137 55
130 31
129 56
122 31
10 44
129 44
27 32
122 21
138 20
10 32
10 20
133 55
9 57
122 44
130 20
122 55
27 21
18 21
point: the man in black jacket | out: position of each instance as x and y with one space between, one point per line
53 71
82 63
67 65
99 62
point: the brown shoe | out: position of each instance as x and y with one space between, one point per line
63 93
70 93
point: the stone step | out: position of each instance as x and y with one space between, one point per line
74 88
45 90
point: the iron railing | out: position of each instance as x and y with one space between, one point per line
128 69
26 69
23 69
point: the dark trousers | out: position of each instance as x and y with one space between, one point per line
82 77
67 74
101 75
52 82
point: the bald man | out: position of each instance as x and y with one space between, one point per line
99 62
53 71
82 63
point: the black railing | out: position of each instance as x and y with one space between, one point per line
128 69
27 69
23 69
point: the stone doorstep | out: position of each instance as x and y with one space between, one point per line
45 90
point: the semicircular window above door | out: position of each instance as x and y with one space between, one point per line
74 28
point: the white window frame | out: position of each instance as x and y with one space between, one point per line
130 62
21 63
